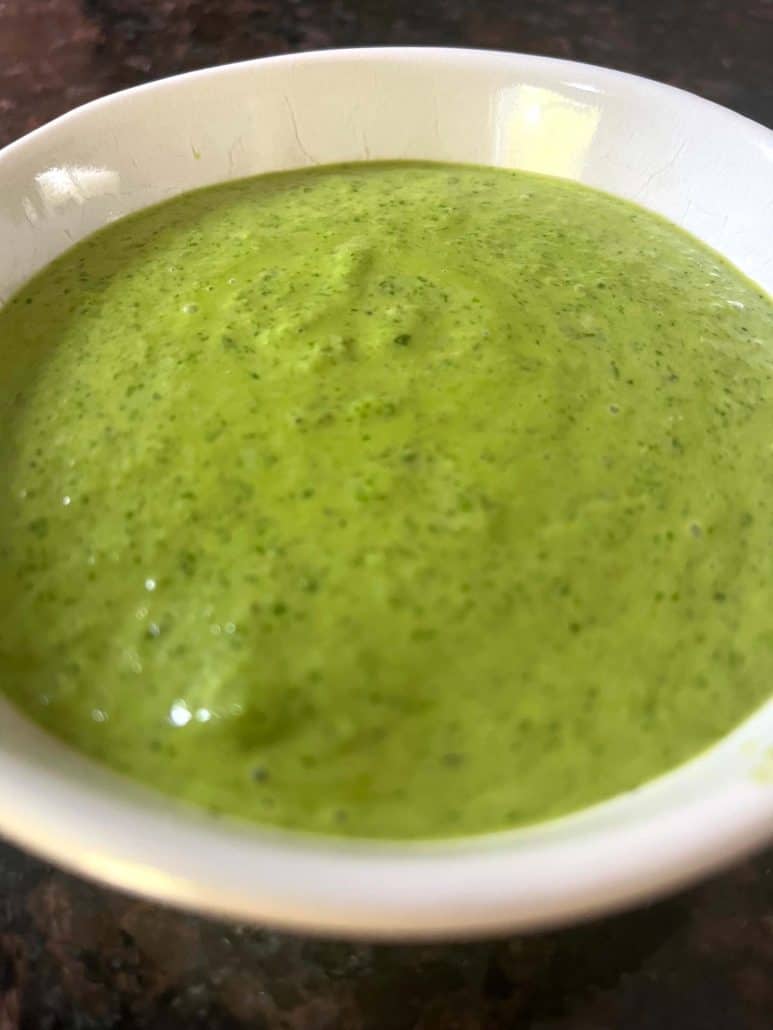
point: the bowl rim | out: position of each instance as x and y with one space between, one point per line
365 53
116 832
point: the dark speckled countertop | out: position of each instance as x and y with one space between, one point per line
74 955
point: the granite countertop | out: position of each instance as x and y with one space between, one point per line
75 955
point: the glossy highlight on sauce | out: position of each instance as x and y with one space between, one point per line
389 500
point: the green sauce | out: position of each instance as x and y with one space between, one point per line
393 500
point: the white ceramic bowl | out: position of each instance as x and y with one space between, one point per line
705 168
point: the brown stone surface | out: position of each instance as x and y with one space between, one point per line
73 954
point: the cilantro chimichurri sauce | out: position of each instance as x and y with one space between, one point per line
391 500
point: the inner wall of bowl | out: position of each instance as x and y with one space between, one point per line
704 168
